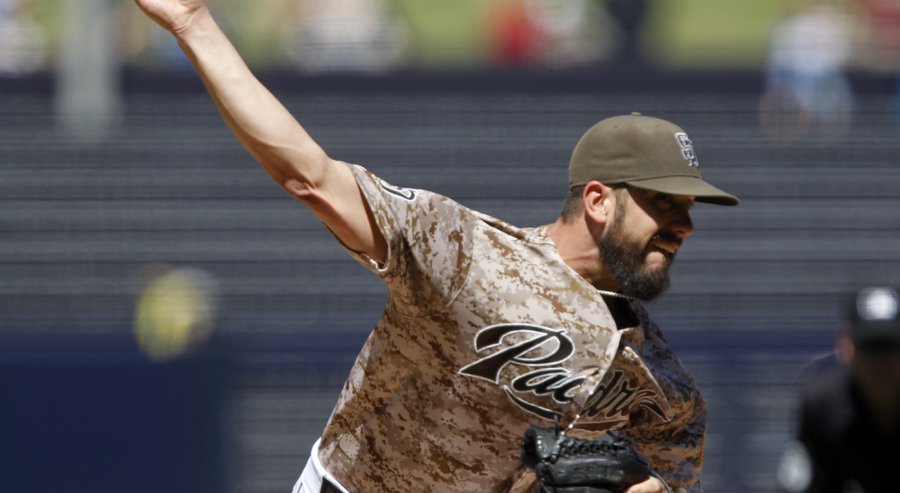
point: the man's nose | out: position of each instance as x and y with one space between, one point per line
682 224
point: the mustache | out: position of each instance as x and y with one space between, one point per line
667 236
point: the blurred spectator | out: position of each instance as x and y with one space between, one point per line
551 33
631 16
574 31
354 35
883 17
807 90
517 38
849 421
22 43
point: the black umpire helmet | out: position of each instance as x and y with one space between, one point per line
875 318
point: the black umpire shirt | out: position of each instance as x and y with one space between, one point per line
847 450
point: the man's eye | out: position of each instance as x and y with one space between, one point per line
665 200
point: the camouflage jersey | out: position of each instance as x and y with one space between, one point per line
486 332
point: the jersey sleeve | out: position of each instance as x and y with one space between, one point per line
429 243
675 448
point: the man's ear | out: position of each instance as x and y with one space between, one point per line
843 346
599 202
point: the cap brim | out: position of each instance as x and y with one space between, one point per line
876 332
687 185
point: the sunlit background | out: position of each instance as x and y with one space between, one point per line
171 321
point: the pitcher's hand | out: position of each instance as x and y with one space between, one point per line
652 485
174 16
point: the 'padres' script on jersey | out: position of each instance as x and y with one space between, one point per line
486 332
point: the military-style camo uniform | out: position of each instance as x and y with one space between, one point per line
488 331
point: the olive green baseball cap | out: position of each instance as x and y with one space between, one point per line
643 152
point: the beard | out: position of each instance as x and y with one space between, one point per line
626 261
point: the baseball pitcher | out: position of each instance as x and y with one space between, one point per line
508 359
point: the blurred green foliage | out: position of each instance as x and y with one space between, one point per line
259 28
714 33
446 33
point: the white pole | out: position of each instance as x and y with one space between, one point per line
87 90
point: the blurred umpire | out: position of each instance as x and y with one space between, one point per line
848 437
